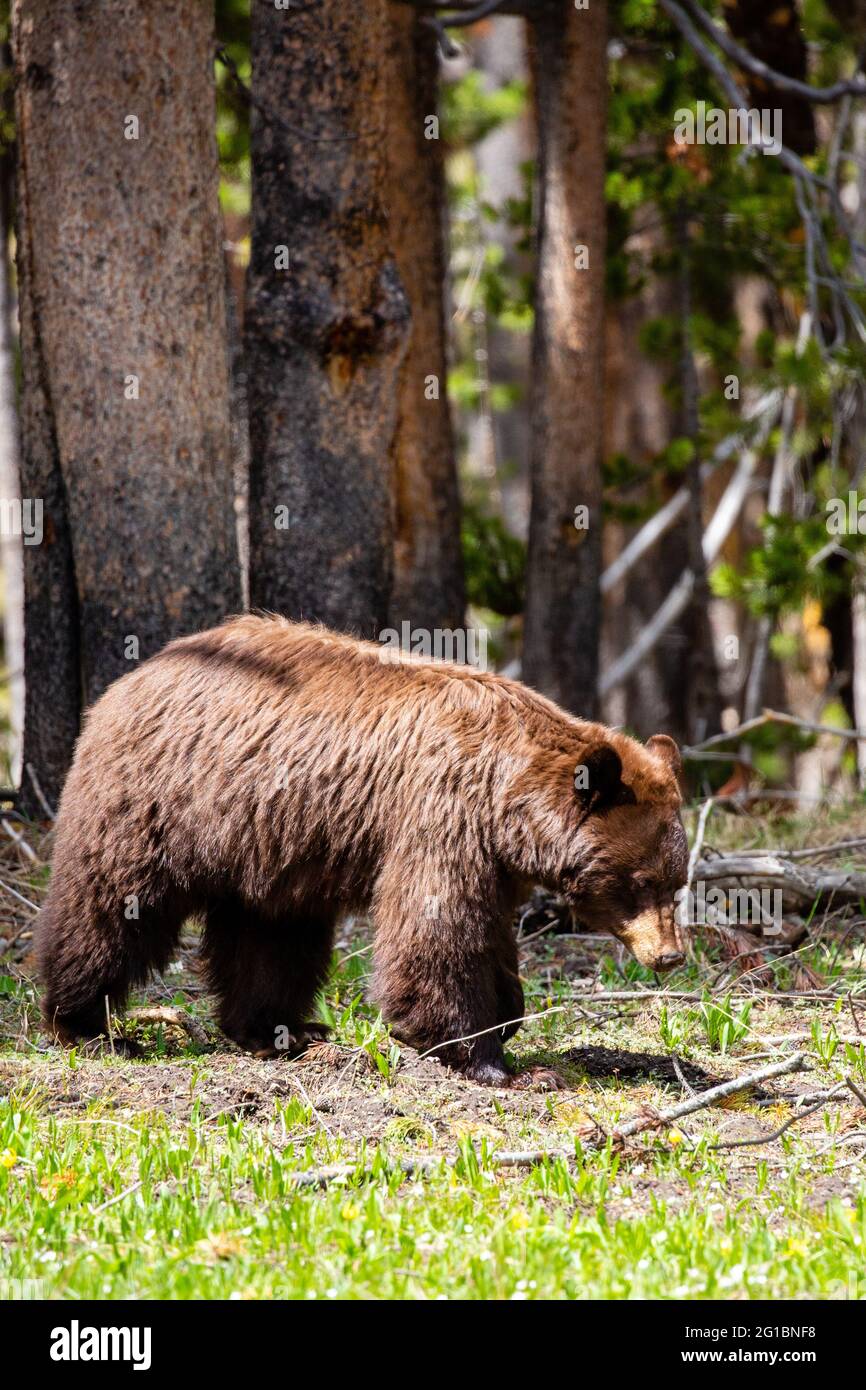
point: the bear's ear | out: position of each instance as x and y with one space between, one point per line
664 747
598 779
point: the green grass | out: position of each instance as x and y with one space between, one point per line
217 1215
174 1176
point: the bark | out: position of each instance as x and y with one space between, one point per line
120 265
851 15
773 34
325 336
11 547
703 706
858 606
499 48
428 566
563 601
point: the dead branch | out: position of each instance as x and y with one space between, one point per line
7 888
855 1090
716 1093
658 525
42 799
805 884
819 851
594 1138
780 80
771 716
19 840
780 1039
678 599
809 185
777 1133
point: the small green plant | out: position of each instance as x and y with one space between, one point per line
855 1058
826 1044
676 1029
374 1039
723 1028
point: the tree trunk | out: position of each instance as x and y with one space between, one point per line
773 33
428 567
125 426
563 601
11 547
703 709
499 50
326 317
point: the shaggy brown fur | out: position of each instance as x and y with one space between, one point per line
269 775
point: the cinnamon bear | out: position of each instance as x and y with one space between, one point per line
268 776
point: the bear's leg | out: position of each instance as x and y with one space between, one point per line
266 974
437 977
509 991
91 954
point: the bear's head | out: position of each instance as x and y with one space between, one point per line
630 854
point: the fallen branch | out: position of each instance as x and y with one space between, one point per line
855 1090
647 1119
7 888
41 797
738 872
601 996
780 1039
818 851
127 1192
770 716
777 1133
703 1099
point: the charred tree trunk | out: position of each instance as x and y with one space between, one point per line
125 426
326 316
773 33
428 567
563 604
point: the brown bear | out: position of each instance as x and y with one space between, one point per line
269 775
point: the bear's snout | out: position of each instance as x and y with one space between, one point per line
669 961
653 939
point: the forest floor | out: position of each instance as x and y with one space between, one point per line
195 1171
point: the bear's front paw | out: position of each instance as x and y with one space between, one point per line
488 1074
315 1032
286 1041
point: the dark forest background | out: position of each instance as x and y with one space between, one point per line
397 313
